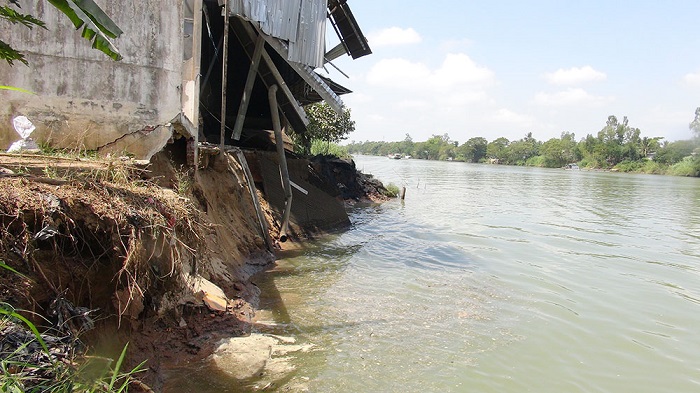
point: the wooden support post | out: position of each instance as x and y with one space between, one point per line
278 76
284 171
258 210
403 193
249 83
224 77
197 54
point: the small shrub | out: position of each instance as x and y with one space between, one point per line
686 167
392 190
652 167
538 161
630 166
324 148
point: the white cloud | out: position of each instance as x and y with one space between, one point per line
456 73
572 96
397 73
459 69
575 75
412 104
455 45
508 116
394 36
692 79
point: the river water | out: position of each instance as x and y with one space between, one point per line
495 278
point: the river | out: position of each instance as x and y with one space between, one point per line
493 278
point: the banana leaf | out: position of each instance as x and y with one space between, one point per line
97 26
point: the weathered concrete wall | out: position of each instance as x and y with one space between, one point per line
84 99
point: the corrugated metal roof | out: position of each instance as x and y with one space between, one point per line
309 75
310 46
347 28
302 23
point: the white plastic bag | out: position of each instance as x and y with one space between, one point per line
24 128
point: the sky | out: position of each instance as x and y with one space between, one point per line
507 68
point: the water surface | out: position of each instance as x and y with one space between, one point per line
500 279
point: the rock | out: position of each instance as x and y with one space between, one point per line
212 296
257 355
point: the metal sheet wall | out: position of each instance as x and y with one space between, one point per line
302 23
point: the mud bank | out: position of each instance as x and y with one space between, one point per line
161 255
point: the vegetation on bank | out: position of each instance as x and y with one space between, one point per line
617 146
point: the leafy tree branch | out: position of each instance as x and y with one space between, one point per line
97 27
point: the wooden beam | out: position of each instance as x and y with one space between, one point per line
278 77
284 171
249 83
224 76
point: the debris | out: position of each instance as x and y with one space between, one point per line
24 128
46 233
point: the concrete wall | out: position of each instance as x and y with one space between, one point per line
84 99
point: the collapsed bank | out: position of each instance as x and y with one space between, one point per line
160 246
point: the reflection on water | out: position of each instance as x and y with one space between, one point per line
500 279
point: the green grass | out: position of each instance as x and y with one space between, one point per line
325 148
51 373
687 167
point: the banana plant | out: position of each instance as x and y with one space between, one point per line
96 26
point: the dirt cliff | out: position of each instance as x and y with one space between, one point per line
153 253
158 254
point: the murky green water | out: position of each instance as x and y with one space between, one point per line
500 279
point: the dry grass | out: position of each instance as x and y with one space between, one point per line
98 223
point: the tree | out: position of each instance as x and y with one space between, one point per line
406 146
617 142
518 152
325 124
97 26
472 150
674 152
649 145
695 124
497 148
554 153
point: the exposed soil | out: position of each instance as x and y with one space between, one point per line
126 241
342 176
129 245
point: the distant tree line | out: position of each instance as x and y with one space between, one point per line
617 146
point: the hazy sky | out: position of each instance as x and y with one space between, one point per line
506 68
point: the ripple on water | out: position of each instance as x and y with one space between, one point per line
582 284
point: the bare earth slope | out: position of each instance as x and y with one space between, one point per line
162 256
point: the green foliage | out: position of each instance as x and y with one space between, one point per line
12 88
689 166
617 145
674 152
49 374
7 311
652 167
392 190
97 26
473 150
328 148
538 161
325 124
13 16
498 149
629 166
695 124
